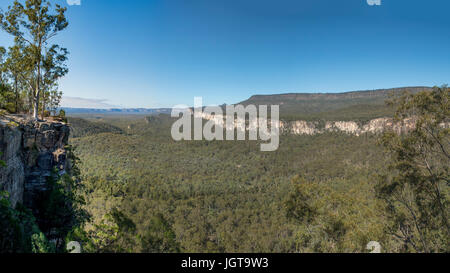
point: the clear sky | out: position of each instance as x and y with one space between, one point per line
155 53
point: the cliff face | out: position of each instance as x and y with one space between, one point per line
302 127
350 127
31 151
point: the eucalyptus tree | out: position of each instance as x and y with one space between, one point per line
5 89
15 67
34 24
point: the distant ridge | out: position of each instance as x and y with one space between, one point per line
355 105
362 105
334 96
117 111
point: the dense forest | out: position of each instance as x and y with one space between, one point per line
228 197
132 188
324 193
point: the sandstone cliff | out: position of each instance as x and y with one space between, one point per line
302 127
374 126
31 150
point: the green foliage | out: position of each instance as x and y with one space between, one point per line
2 163
147 193
115 233
58 210
314 194
416 189
12 124
62 116
60 207
18 229
81 127
333 220
3 112
228 196
58 213
299 202
15 68
40 244
35 65
6 98
159 237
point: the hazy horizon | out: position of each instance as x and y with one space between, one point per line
102 104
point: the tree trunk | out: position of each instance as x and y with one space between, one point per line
38 83
36 107
37 93
43 107
16 91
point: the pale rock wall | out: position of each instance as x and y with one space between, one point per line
302 127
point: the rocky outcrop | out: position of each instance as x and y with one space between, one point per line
32 152
349 127
299 127
303 127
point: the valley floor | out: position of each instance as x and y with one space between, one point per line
229 196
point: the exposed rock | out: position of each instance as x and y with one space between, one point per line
12 177
302 127
299 127
31 150
349 127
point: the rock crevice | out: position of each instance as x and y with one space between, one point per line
32 152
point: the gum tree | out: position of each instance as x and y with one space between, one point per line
34 24
14 65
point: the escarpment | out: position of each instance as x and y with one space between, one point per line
303 127
33 151
373 126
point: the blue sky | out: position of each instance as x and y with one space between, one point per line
152 53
